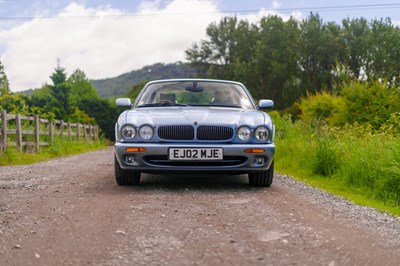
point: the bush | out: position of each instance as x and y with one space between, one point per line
370 103
322 106
363 103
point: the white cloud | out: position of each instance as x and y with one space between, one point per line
276 4
273 10
106 42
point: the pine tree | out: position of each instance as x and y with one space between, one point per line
61 93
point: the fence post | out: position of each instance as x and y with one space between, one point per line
84 132
96 132
78 131
51 131
3 143
89 128
69 130
18 132
37 133
91 132
62 128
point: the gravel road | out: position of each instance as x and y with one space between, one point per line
69 211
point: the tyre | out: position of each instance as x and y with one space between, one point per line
262 178
125 177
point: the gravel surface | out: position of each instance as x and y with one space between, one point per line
387 225
69 211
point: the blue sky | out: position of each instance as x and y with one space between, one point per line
108 38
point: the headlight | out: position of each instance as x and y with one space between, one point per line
146 132
128 132
261 133
244 133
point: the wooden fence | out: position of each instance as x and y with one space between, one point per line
32 132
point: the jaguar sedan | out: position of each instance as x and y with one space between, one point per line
194 126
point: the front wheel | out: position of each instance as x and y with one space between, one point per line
262 178
125 177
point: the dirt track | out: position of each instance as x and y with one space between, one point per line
70 212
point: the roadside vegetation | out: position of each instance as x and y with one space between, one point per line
347 143
60 147
337 92
71 99
353 161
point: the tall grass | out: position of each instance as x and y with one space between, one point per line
353 161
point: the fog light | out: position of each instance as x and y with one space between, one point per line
129 158
260 160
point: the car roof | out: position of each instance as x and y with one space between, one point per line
195 79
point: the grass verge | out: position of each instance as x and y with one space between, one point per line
59 148
353 161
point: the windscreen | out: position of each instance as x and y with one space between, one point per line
195 93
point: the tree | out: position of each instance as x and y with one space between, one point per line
4 85
226 45
276 60
384 54
104 112
320 49
80 88
355 36
60 90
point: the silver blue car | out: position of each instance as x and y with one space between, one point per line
194 125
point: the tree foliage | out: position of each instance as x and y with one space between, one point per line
72 99
285 60
363 103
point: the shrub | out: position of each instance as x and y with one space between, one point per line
323 107
370 103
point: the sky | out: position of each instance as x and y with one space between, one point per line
108 38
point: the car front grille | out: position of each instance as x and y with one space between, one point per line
187 132
176 132
214 133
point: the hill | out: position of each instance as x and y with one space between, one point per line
121 85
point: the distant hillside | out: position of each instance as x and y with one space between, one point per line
121 85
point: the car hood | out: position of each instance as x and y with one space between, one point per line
194 115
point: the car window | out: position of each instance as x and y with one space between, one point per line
195 94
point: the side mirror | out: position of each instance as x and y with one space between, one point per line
123 102
266 104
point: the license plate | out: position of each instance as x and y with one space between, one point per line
201 154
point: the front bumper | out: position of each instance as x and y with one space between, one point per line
155 159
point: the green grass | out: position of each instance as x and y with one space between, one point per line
59 148
353 161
